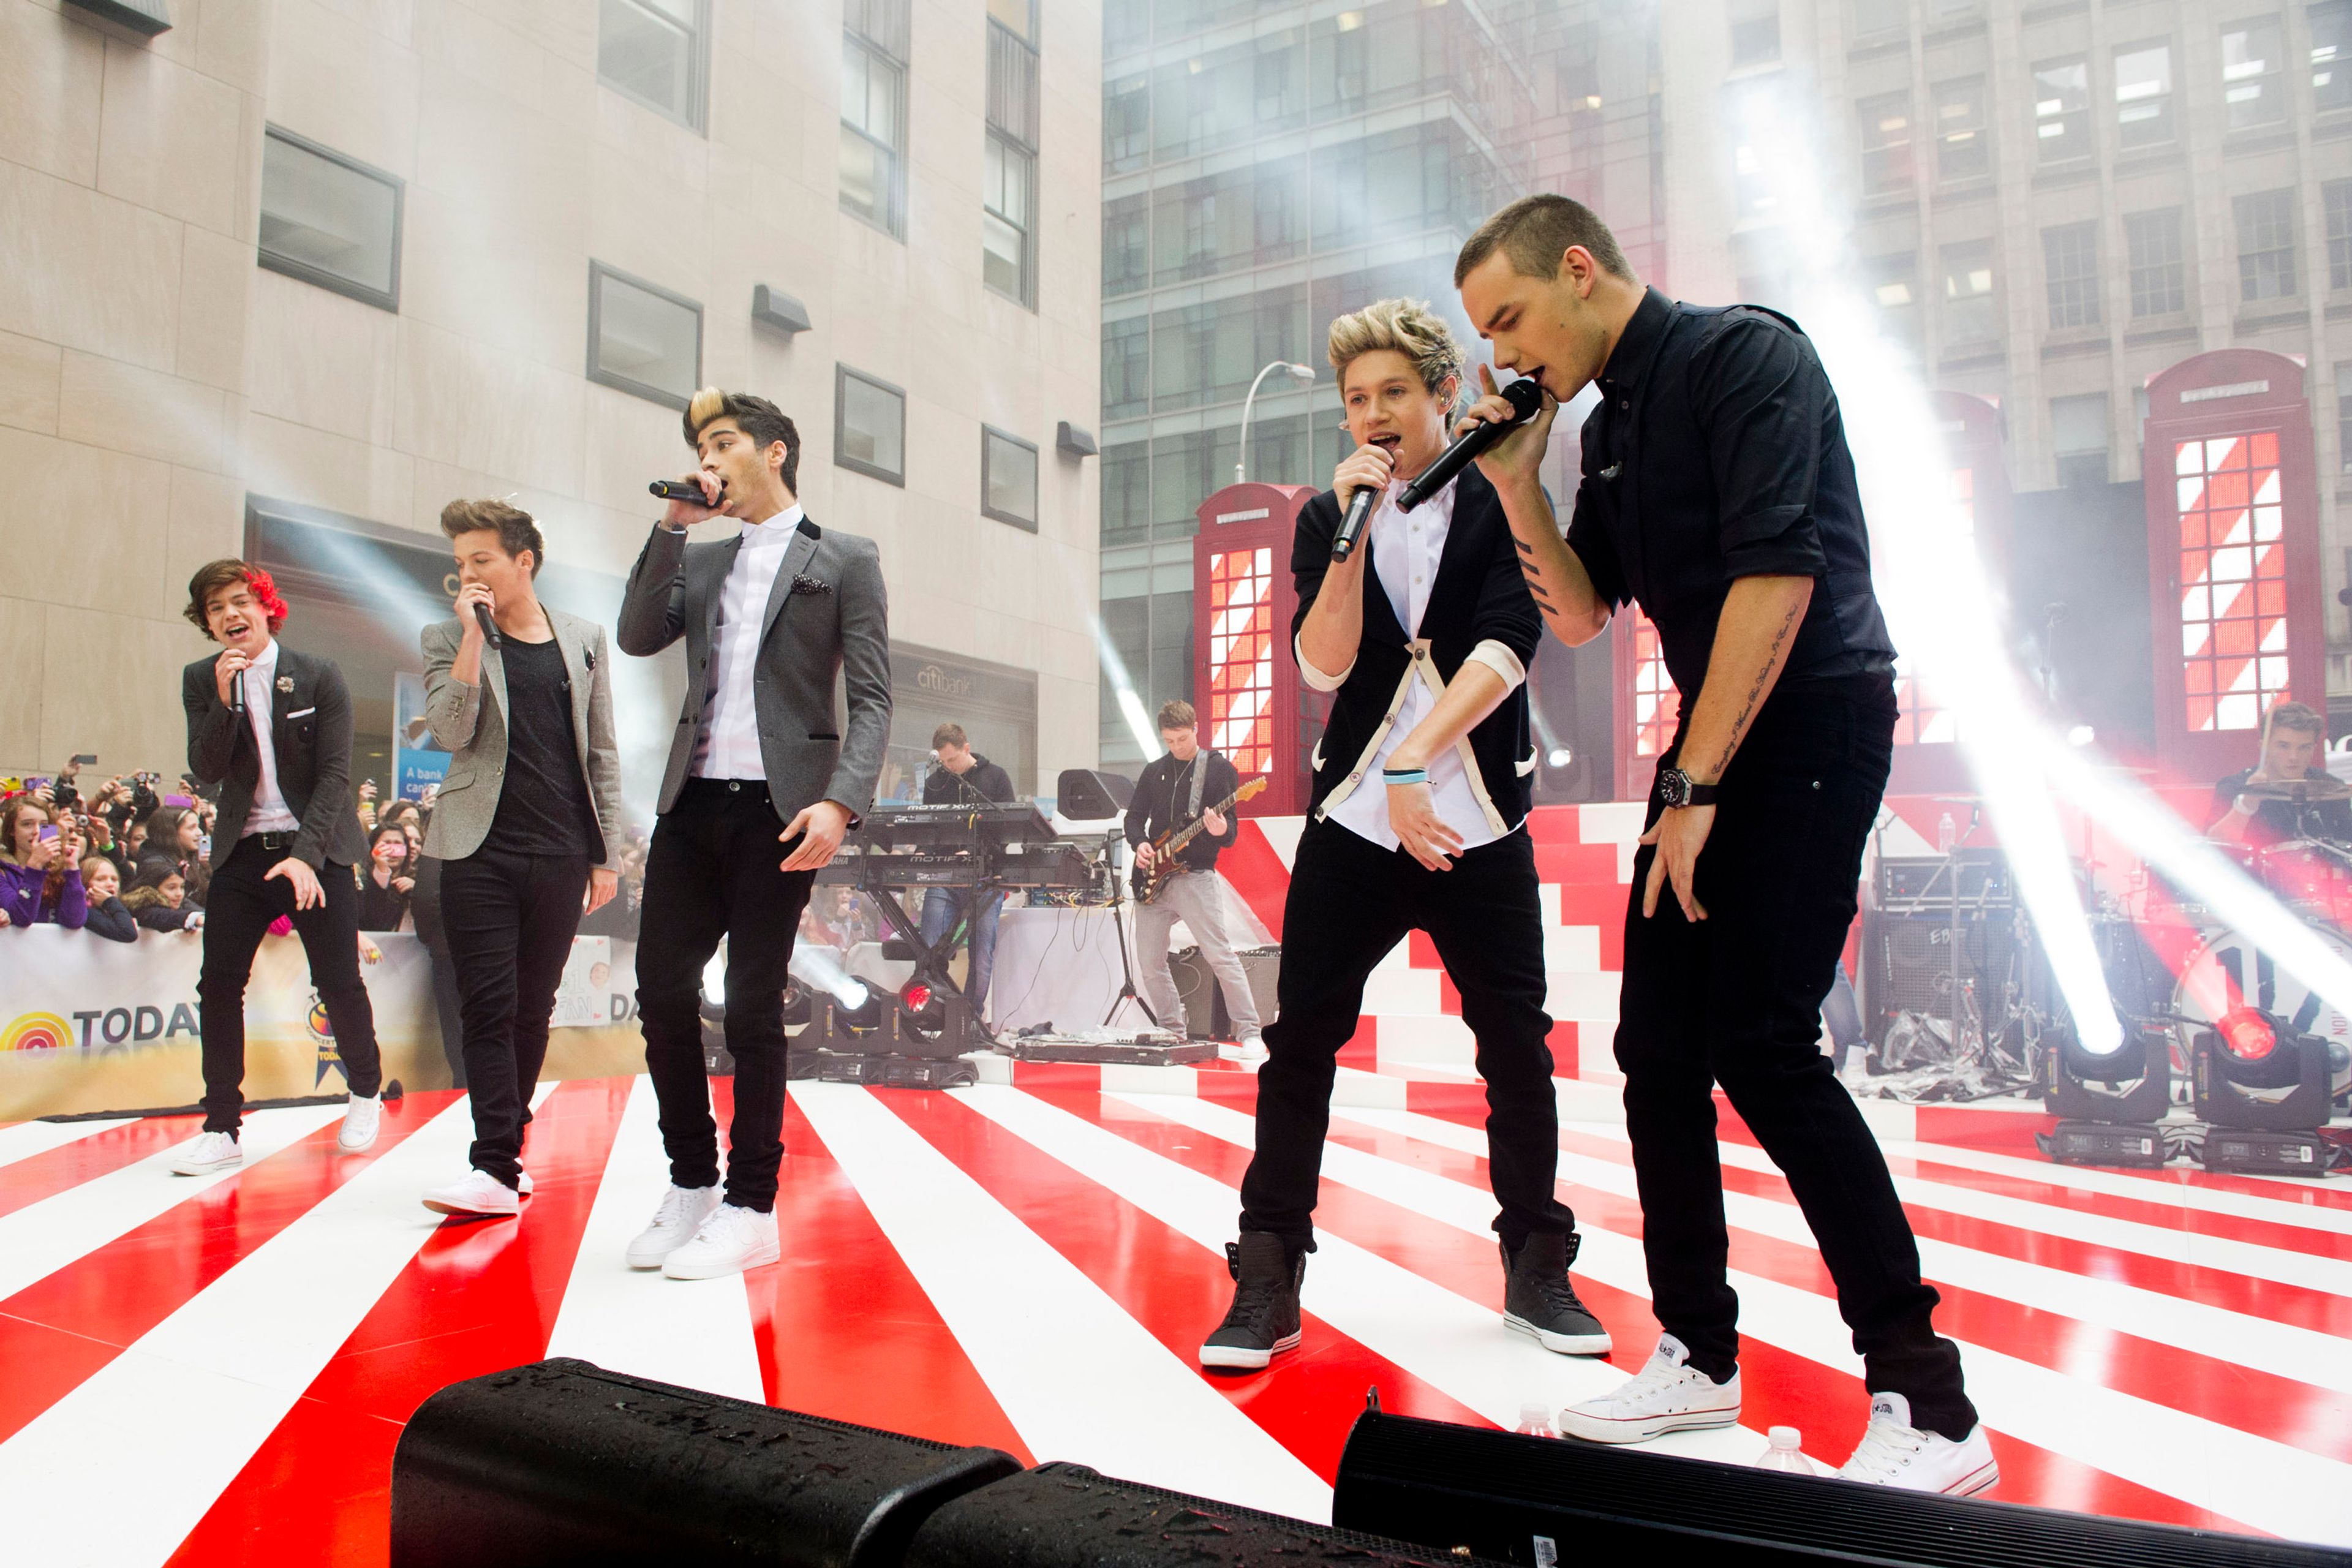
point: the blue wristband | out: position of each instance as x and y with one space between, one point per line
1404 775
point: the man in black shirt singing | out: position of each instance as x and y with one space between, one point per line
1718 493
964 777
527 825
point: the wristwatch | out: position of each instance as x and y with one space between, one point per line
1675 789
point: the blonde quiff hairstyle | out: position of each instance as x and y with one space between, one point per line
1408 326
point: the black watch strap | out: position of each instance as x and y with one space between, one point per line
1703 795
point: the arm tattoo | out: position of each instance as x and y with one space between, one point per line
1756 689
1535 582
1521 545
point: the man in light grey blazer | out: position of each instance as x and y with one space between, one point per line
771 618
526 828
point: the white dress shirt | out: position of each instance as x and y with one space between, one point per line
1407 547
270 813
728 745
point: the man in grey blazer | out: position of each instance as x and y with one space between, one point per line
770 617
527 825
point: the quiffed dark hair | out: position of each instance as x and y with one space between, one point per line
948 735
214 575
1534 232
515 528
757 417
1177 714
2297 716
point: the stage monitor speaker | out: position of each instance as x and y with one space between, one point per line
1088 794
1907 964
1068 1516
1206 1017
1535 1499
563 1465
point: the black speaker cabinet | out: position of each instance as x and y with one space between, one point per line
1907 964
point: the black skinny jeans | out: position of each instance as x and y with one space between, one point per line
511 918
713 871
1737 1000
243 901
1350 902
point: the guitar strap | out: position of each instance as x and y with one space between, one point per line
1200 777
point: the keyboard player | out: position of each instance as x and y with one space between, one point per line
962 776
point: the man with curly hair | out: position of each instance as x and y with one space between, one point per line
273 728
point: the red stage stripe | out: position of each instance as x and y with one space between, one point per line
1255 871
102 1303
480 1296
1174 1287
68 1165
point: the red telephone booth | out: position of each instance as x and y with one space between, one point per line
1253 706
2233 555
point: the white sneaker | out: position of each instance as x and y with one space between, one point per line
681 1214
477 1193
522 1184
1894 1453
1252 1047
1665 1396
729 1241
211 1151
361 1121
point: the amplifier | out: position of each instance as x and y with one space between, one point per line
1926 881
1907 962
1206 1014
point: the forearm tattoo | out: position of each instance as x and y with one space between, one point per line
1756 689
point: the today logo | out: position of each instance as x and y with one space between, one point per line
36 1032
101 1029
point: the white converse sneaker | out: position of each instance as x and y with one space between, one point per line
1665 1396
477 1193
1252 1047
681 1214
211 1151
1894 1453
361 1121
522 1183
729 1241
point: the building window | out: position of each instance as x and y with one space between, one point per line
869 426
1127 367
2252 86
1895 290
2344 417
2062 111
1755 32
1127 123
2078 438
2233 621
1872 17
2144 95
1008 479
1963 151
2159 267
330 220
642 338
1127 245
1967 293
658 53
2265 245
1885 142
2331 55
2336 197
2070 257
874 53
1009 172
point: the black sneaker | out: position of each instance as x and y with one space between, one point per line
1539 1299
1264 1320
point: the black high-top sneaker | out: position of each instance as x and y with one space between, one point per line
1263 1318
1539 1299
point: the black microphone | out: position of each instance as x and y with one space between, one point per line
680 490
237 693
489 626
1524 395
1352 527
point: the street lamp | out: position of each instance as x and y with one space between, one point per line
1297 372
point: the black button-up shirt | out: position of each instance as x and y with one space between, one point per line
1717 453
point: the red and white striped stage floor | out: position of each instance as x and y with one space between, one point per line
216 1370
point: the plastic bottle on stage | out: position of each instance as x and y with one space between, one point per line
1535 1421
1946 831
1786 1452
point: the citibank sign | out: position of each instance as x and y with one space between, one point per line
932 678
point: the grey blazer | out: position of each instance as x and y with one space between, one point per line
828 617
469 722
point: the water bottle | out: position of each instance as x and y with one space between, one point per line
1946 833
1535 1421
1786 1452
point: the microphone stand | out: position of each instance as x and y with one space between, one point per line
1126 991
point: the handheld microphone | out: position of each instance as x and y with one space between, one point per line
679 489
1525 395
236 694
1352 527
489 626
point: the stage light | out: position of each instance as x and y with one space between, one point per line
2263 1090
2081 735
926 1011
714 979
799 1008
1559 757
2109 1101
2248 1035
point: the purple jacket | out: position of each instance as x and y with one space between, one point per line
21 900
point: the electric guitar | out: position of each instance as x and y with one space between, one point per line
1148 881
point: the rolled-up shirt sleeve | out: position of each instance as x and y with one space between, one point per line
1761 395
1502 661
1316 680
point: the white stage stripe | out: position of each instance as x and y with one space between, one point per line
28 1139
2261 1483
186 1407
696 1333
2283 1350
1447 1341
39 1239
2282 1264
2282 1210
1078 1377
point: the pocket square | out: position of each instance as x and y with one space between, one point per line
811 585
302 714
